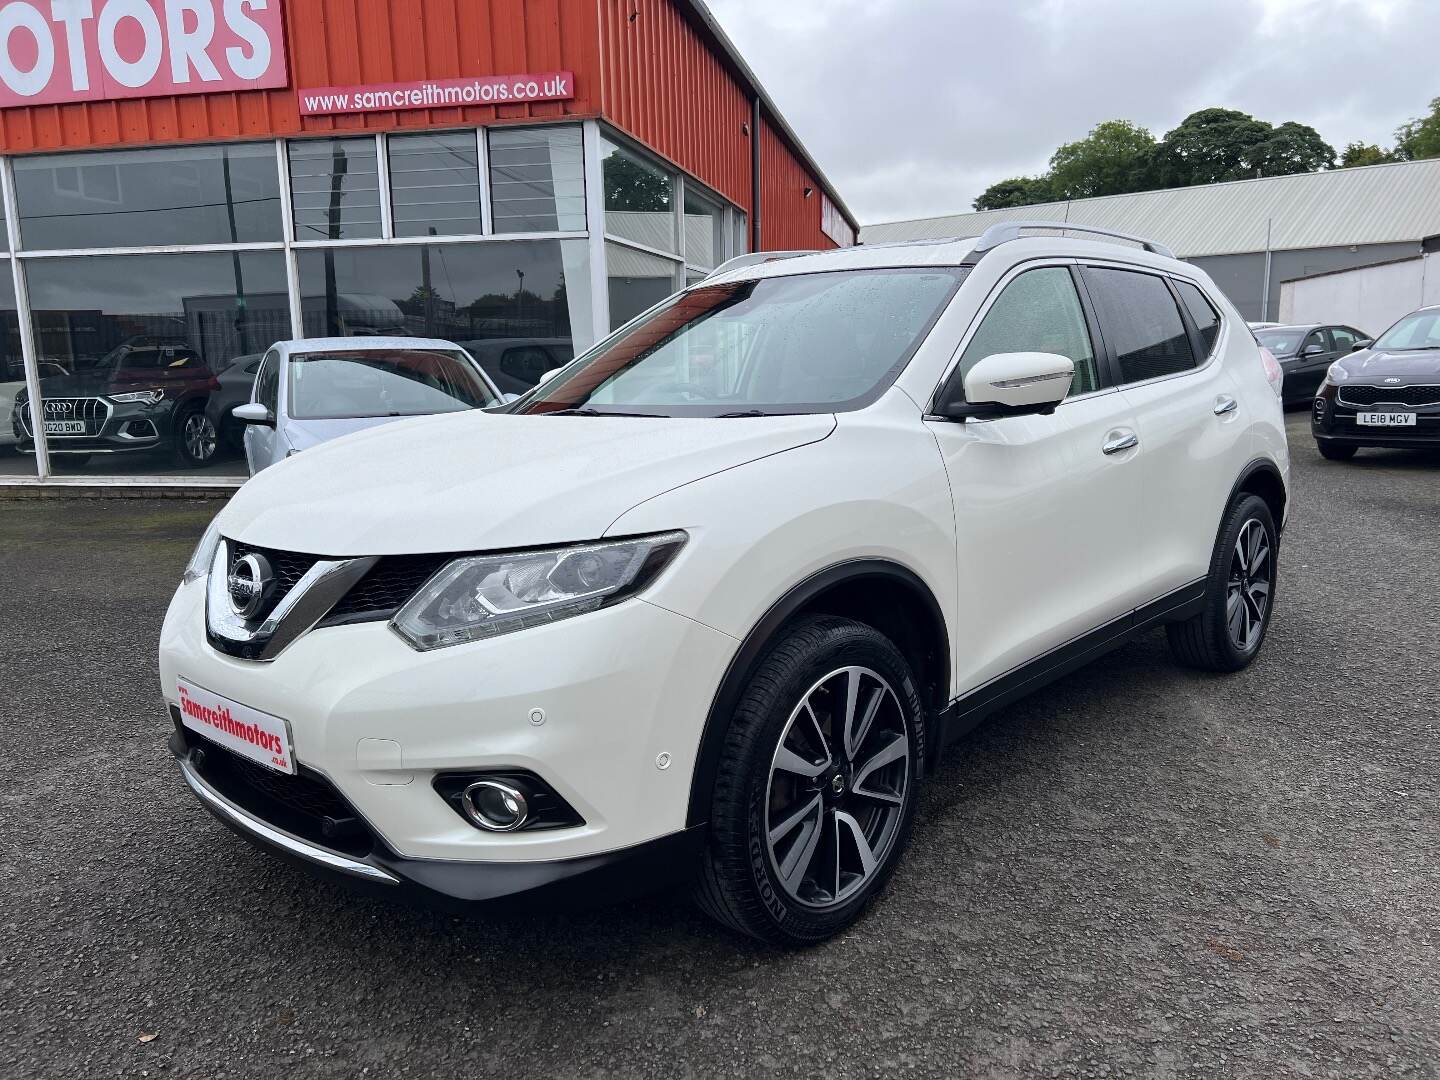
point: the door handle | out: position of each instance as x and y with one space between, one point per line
1225 404
1120 441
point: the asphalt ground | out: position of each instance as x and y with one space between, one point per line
1137 872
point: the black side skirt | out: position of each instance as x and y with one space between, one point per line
966 711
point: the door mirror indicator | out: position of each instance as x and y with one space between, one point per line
1009 384
253 413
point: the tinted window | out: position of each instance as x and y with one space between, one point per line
526 363
537 180
335 189
1140 321
1315 339
382 382
267 386
801 343
135 198
1202 313
435 184
1038 312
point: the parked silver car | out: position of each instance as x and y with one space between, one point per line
312 390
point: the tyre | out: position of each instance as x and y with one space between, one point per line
1239 593
196 440
816 786
1336 451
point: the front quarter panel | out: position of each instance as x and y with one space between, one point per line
875 489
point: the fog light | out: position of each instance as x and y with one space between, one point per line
495 806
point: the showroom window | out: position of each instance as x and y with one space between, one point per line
638 281
335 188
639 199
133 198
704 230
508 303
537 180
435 184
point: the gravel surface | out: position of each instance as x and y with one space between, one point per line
1139 871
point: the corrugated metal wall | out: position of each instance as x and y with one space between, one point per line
344 43
788 220
664 86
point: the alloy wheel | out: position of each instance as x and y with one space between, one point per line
1248 596
200 438
838 784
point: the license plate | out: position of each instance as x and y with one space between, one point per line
1386 419
64 427
245 731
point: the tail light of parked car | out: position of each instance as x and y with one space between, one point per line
1274 373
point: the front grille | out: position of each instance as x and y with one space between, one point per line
92 411
1413 397
385 589
287 566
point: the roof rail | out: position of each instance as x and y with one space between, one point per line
1007 231
755 258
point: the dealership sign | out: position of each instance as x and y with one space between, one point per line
439 93
54 51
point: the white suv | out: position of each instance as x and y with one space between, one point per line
706 605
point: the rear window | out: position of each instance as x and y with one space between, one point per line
1141 323
382 382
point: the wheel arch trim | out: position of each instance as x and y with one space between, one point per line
1267 467
752 648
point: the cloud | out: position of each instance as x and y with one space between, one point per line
913 107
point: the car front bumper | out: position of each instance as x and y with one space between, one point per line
379 871
1334 422
607 709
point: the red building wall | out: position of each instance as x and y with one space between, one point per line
642 64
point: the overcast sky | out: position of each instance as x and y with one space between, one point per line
913 107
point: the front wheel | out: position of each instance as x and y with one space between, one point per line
1239 593
815 790
196 439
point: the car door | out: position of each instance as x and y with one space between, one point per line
1044 505
260 439
1317 353
1188 411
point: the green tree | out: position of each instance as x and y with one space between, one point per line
1210 146
1358 153
1292 148
1115 158
629 185
1419 138
1017 191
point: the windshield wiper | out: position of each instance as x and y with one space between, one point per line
599 412
751 412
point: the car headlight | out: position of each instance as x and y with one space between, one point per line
146 397
1336 374
204 554
482 596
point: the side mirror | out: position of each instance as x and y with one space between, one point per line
549 375
1312 350
1363 343
253 413
1009 384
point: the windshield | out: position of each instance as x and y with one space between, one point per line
383 382
1280 342
1418 331
803 343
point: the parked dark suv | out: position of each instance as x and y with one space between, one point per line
147 394
1384 395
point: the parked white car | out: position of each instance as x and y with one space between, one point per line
311 390
707 604
8 391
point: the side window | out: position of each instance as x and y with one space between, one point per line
526 363
1316 337
267 385
1344 339
1139 319
1202 313
1038 312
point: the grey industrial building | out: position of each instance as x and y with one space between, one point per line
1249 235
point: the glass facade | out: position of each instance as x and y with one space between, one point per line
138 355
